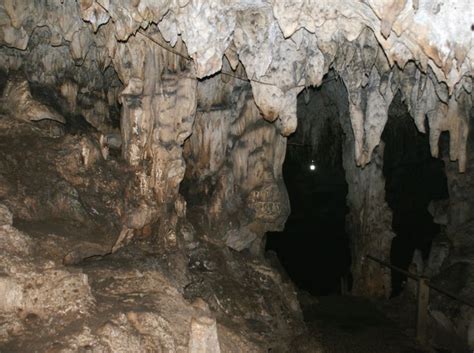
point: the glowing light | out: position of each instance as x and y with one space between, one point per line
312 166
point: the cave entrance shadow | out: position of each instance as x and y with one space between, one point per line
314 246
413 179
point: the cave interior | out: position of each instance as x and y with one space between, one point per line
219 176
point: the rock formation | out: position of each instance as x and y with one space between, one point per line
199 96
234 164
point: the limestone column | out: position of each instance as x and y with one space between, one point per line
369 221
158 109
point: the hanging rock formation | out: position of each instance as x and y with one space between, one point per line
283 45
422 48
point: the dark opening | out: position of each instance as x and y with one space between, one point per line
413 178
314 247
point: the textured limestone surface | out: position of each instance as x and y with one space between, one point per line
234 164
424 48
65 287
143 57
133 301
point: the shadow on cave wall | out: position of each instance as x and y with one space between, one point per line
413 179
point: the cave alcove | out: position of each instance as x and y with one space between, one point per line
314 246
413 179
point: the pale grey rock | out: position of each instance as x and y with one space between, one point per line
234 159
14 242
36 289
439 252
203 337
188 232
21 105
6 217
239 239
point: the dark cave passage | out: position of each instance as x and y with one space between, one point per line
413 179
314 246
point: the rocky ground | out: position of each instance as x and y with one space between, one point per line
141 300
138 299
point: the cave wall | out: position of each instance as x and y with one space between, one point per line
461 205
415 182
183 116
369 221
49 44
147 56
370 225
282 51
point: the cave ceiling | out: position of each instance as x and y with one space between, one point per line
422 48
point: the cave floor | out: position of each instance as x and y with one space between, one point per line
138 299
136 281
350 324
